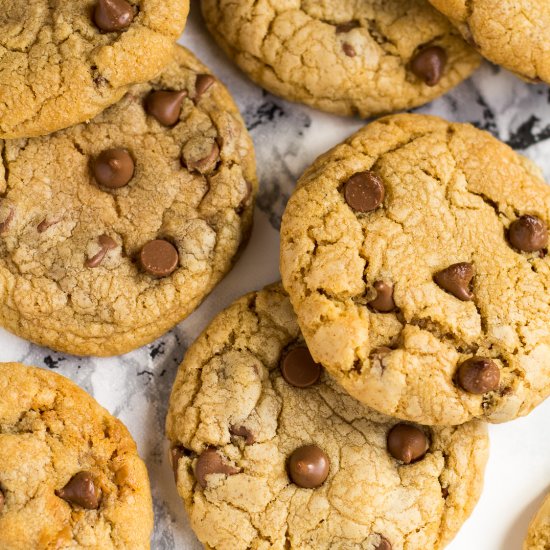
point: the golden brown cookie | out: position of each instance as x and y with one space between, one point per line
112 232
511 33
269 452
64 62
415 256
70 475
538 536
345 57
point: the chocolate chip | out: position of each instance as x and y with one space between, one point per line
45 224
384 544
429 64
478 375
407 443
346 27
114 168
383 302
299 369
165 106
349 50
159 258
308 467
106 244
211 462
444 492
113 15
242 431
528 234
82 491
7 221
201 155
456 280
203 83
364 191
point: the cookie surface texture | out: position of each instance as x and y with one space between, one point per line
444 267
112 232
70 475
538 536
266 456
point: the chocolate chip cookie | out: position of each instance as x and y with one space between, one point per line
112 232
415 256
538 537
62 63
345 57
511 33
70 475
269 451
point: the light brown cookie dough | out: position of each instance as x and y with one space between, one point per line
64 62
428 239
112 232
269 452
345 57
538 536
511 33
70 475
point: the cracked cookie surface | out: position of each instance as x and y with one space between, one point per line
538 536
94 268
463 319
240 410
511 33
59 68
344 57
52 432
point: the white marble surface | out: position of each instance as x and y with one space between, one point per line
288 137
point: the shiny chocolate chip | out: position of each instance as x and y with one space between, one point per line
364 191
165 106
113 15
81 490
528 234
299 369
478 375
159 258
211 462
308 466
429 65
456 280
114 168
383 302
407 443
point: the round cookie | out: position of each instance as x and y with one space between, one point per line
538 536
511 33
415 256
64 62
269 452
70 475
112 232
344 57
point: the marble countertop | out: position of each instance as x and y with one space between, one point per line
288 137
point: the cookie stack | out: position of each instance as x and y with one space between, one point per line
345 407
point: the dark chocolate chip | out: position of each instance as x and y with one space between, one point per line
528 234
165 106
407 443
211 462
299 369
113 15
383 302
159 258
429 65
308 466
81 490
364 191
478 375
456 280
243 431
114 168
106 244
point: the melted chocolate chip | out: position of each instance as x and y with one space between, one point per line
159 258
429 65
383 302
299 369
243 431
364 191
407 443
308 466
456 280
165 106
528 234
113 15
211 462
478 375
106 244
81 490
114 168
